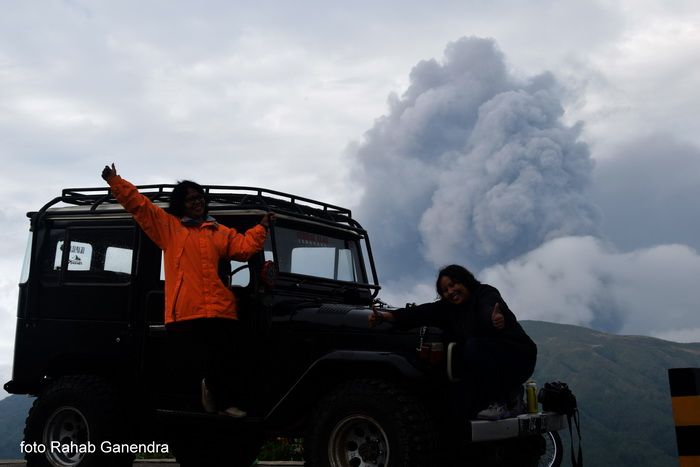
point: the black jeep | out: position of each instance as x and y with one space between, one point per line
92 346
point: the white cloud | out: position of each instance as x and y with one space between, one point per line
399 293
56 112
584 281
679 335
644 81
580 280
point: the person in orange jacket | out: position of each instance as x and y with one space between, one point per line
199 309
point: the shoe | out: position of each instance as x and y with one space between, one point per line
495 411
207 399
233 412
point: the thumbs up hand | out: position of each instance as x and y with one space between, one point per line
109 172
497 318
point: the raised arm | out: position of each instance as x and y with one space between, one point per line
152 219
242 246
426 314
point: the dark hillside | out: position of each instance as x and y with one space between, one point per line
13 412
621 383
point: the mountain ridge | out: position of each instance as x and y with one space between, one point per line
621 383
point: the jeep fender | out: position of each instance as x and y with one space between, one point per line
334 368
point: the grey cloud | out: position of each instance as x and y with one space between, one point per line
648 191
520 183
473 165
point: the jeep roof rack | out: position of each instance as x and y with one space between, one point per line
240 197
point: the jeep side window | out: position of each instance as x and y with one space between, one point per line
86 273
242 277
52 255
24 276
95 255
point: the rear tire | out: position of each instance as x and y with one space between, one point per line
543 450
370 423
75 411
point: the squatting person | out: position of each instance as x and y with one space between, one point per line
497 355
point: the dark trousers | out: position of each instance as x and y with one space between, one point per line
494 368
212 349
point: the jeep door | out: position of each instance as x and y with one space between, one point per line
81 289
319 269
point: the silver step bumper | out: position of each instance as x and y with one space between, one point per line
522 425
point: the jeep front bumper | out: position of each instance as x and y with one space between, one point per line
522 425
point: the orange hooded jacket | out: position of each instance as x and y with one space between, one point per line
193 288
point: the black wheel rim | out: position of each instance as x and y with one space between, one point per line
68 427
358 441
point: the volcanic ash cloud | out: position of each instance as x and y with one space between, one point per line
473 164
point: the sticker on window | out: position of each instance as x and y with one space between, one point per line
79 256
311 239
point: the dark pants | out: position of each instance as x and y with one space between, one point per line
494 369
213 349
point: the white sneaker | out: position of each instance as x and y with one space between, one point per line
495 411
234 412
207 399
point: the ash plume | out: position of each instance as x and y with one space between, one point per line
472 165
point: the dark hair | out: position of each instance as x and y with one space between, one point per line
458 274
177 197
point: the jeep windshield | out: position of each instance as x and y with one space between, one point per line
307 254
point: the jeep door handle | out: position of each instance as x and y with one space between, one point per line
156 329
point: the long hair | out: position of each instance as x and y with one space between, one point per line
458 274
177 197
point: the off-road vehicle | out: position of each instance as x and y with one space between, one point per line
92 347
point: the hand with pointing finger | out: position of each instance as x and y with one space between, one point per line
497 318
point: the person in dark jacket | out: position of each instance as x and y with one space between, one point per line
498 356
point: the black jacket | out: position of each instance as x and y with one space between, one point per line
469 320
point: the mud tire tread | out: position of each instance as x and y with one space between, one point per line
412 434
100 405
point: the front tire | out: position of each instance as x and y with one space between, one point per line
70 420
553 451
370 423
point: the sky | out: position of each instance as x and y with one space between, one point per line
552 147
